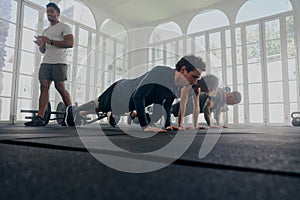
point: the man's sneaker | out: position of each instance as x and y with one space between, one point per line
36 121
69 119
131 115
110 119
77 118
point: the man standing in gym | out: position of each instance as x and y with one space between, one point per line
54 42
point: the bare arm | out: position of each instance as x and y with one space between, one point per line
196 108
183 102
66 43
217 115
206 110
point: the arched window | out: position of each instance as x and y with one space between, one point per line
114 47
207 20
77 11
115 30
256 9
166 47
165 31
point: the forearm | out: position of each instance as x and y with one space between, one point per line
217 116
183 102
181 115
42 49
62 44
196 108
196 115
207 116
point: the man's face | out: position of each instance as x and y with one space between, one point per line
230 100
52 14
192 76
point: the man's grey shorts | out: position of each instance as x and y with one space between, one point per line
53 72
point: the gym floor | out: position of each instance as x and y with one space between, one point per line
52 163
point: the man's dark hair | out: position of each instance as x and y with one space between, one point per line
53 5
207 83
236 96
191 62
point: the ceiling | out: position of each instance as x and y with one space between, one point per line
142 12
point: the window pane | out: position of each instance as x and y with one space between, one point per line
27 40
240 78
199 43
228 57
291 48
275 92
293 91
70 55
92 77
255 93
26 87
4 108
229 76
31 18
230 116
253 53
276 113
292 69
290 27
252 34
254 73
272 30
24 104
241 114
83 37
158 53
215 57
81 75
294 107
27 63
80 93
274 71
273 50
10 10
5 84
217 72
8 33
82 56
256 113
215 40
228 38
70 71
238 36
239 59
8 58
94 38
